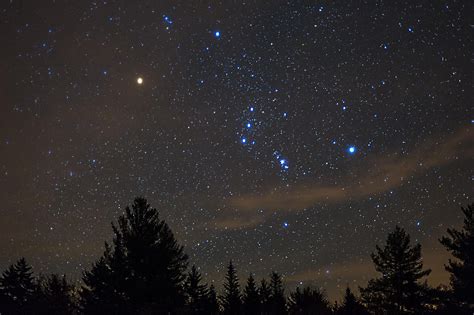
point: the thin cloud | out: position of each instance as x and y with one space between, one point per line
383 173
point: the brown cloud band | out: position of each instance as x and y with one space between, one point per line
383 173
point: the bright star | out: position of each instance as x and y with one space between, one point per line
244 140
352 149
217 34
140 80
251 109
167 19
285 224
282 162
249 125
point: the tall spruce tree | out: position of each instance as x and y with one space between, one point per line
308 301
251 298
231 302
265 293
212 305
196 293
350 305
397 290
461 245
55 295
18 289
278 299
143 271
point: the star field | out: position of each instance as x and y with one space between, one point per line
285 136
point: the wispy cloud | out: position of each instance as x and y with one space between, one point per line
382 173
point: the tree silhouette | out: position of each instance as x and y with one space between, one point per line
231 302
105 287
196 293
397 291
17 289
277 299
143 271
351 305
461 245
265 293
212 304
251 298
308 301
55 295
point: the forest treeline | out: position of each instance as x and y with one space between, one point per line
145 271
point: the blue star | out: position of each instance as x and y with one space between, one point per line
217 34
251 109
249 125
244 140
167 19
285 114
285 224
282 162
352 150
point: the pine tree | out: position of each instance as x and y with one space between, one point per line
251 298
231 302
55 296
143 271
265 293
309 301
461 245
350 305
196 292
397 291
277 300
17 289
212 304
104 290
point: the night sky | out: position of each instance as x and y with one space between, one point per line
284 136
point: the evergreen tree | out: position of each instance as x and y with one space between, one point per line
277 300
212 304
196 292
350 305
308 301
143 271
461 245
251 298
55 295
397 291
17 289
104 290
265 293
231 302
